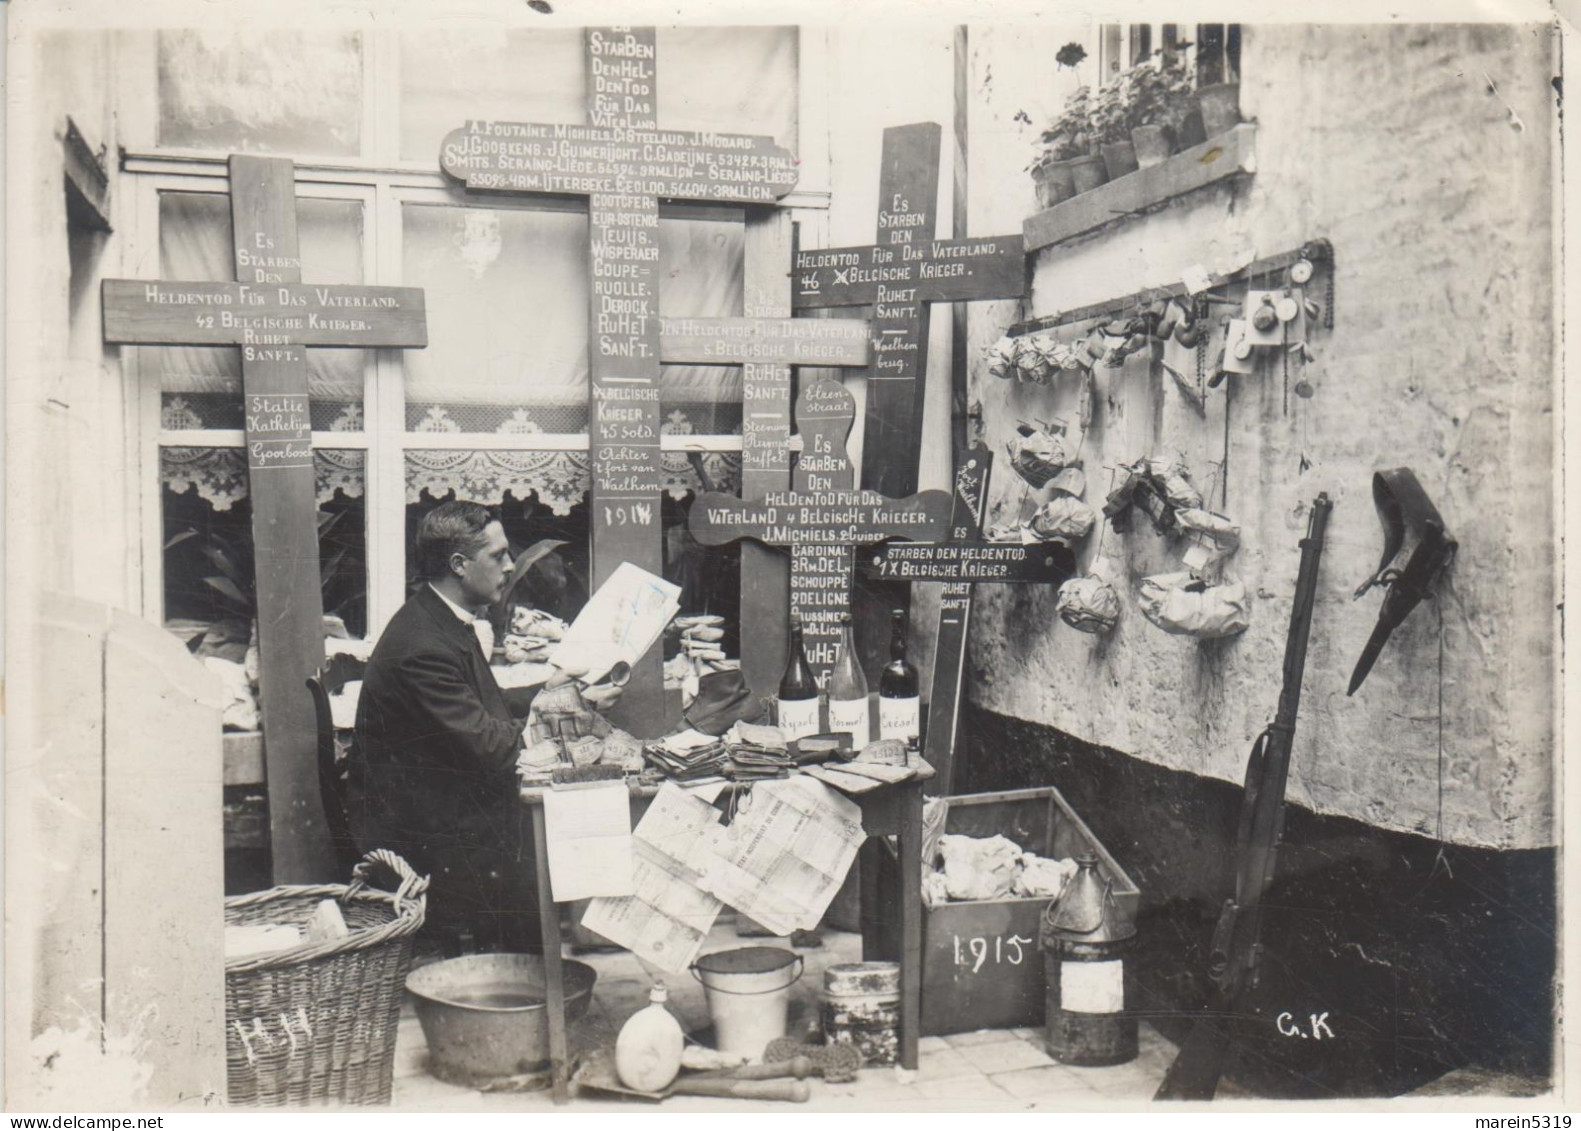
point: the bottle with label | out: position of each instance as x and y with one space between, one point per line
798 694
899 707
848 690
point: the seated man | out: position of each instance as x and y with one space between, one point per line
433 767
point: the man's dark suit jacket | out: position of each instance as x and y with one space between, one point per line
433 769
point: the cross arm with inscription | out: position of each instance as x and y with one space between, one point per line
271 315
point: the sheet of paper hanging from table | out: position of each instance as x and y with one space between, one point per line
670 915
786 853
590 842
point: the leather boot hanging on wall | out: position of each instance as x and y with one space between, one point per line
1406 512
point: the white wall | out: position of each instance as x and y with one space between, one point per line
1391 143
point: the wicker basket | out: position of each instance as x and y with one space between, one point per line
316 1023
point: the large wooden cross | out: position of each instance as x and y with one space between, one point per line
767 347
822 519
959 563
899 276
624 164
271 315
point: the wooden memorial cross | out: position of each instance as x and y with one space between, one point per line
271 315
624 164
899 276
766 348
958 564
821 519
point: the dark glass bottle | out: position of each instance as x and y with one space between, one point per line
848 690
899 703
798 693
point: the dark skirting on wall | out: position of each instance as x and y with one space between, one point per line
1389 958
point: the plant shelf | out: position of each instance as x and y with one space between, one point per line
1227 155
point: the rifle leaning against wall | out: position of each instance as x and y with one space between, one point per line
1236 949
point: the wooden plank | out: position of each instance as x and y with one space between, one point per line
765 454
285 531
977 267
624 414
262 315
1227 155
164 962
622 77
55 814
584 160
764 340
820 576
908 196
1042 563
554 978
826 518
955 618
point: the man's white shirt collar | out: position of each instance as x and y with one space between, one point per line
481 628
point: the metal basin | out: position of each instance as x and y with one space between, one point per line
484 1015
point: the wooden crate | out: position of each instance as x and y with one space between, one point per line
981 966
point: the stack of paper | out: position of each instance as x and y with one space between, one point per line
688 755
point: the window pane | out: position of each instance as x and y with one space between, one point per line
740 80
208 563
507 300
195 246
506 294
285 91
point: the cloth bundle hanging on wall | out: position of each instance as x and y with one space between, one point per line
1089 604
1185 605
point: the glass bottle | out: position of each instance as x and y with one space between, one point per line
899 702
848 690
798 693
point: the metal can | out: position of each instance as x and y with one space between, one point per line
1085 940
861 1007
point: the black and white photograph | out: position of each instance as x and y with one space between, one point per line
605 556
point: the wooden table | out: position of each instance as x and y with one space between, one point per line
889 810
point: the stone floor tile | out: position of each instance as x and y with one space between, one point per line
973 1089
1007 1056
1030 1034
981 1037
929 1044
1134 1081
1049 1081
945 1064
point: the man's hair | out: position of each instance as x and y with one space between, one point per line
450 528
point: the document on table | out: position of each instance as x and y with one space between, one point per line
666 920
787 852
619 622
590 844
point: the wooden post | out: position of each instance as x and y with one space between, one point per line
765 456
822 519
271 315
623 164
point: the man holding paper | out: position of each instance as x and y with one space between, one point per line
433 764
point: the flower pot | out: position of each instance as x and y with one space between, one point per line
1221 107
1191 131
1119 158
1153 144
1054 182
1087 173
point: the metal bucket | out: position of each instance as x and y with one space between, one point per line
484 1016
748 991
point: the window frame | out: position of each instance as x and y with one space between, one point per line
384 187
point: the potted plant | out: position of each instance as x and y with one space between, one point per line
1066 147
1221 107
1161 98
1110 125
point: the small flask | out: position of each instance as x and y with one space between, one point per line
848 690
648 1049
798 692
899 702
